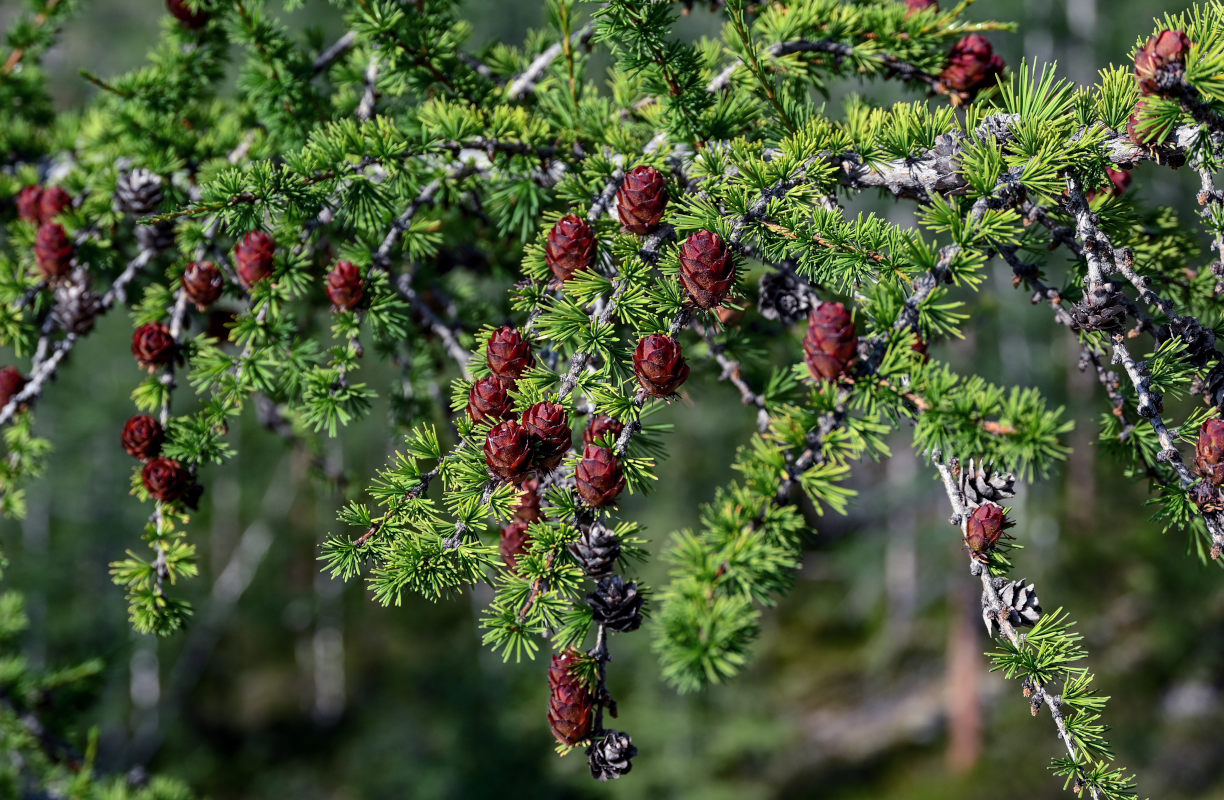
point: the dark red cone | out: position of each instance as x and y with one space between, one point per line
599 476
972 66
11 384
528 507
509 354
192 20
28 204
1209 452
507 451
1161 63
831 342
603 427
345 285
254 256
153 345
571 705
571 247
487 399
707 270
202 283
659 365
548 426
165 478
984 528
143 437
54 200
641 199
514 539
53 251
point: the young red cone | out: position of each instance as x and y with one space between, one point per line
345 285
1161 63
11 384
641 199
488 399
528 507
166 479
53 201
507 451
830 344
548 426
570 704
153 345
192 20
602 427
143 437
202 283
508 353
984 528
1209 452
514 539
571 247
53 251
254 257
707 270
599 476
972 66
659 365
28 200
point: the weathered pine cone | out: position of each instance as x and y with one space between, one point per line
571 247
345 285
142 437
76 307
599 476
548 426
488 399
596 549
602 427
659 365
707 270
508 353
138 192
1160 65
611 756
831 342
1020 604
158 236
202 283
1101 309
616 604
571 705
507 451
254 257
981 484
1200 341
641 200
783 298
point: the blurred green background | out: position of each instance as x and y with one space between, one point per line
869 679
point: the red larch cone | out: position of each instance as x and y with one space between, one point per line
972 66
599 476
571 247
166 479
571 706
1161 63
507 451
508 353
143 437
345 285
548 426
202 283
254 257
603 427
707 270
659 365
641 200
488 399
830 344
153 345
514 539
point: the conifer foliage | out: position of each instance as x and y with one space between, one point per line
374 198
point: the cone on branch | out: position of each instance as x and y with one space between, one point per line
547 424
202 283
616 604
984 528
53 201
659 365
157 236
641 200
165 479
972 66
11 384
571 705
914 6
1118 181
345 286
1138 129
28 204
602 427
596 550
1101 309
153 345
780 296
571 247
142 437
528 507
1209 451
1160 65
488 399
1021 608
981 484
192 20
611 756
831 342
599 476
509 353
507 452
139 192
76 307
254 257
514 539
707 270
53 251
